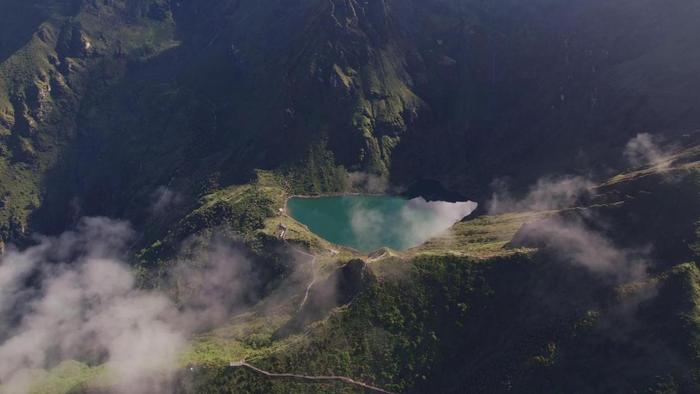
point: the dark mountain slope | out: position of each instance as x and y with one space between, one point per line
549 86
75 51
189 94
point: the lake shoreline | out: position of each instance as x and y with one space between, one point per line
361 194
326 195
369 222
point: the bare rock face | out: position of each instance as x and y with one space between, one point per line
39 98
74 43
7 120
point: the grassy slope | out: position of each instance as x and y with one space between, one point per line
482 237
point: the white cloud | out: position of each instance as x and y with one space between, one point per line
82 303
645 150
547 194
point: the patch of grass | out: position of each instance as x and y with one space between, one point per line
243 208
69 377
244 337
685 160
482 237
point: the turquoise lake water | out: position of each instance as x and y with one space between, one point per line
368 223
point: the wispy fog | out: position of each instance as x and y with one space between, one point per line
574 241
368 183
73 297
163 200
416 222
443 215
547 194
576 236
645 150
214 282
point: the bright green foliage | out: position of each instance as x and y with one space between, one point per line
483 237
245 212
238 211
68 377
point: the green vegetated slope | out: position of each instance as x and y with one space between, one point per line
528 320
482 309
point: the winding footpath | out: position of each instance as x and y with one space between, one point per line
312 262
307 378
343 379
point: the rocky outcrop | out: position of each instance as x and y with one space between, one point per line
7 120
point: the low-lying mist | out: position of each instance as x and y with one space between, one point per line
573 236
74 297
647 150
548 193
579 235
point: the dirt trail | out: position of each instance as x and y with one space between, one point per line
312 262
343 379
308 378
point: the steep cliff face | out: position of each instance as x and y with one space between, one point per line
55 54
41 80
